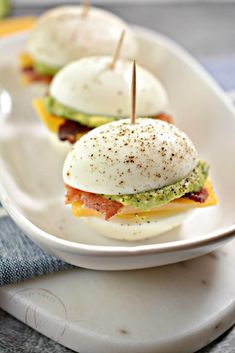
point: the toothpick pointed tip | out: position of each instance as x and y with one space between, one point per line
117 50
85 7
133 93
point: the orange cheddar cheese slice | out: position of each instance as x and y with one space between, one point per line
25 60
52 122
16 24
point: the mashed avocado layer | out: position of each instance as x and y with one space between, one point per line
44 69
56 108
159 197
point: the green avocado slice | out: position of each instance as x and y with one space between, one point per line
44 69
5 7
58 109
159 197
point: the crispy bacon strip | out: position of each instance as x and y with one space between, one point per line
164 117
33 76
69 130
96 202
200 196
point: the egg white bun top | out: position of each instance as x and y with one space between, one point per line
90 86
124 158
63 34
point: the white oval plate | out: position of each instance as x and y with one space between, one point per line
31 185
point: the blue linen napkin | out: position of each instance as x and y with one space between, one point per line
21 259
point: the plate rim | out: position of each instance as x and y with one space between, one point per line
34 232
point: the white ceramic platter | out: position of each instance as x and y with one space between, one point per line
31 185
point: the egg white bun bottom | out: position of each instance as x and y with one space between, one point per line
128 230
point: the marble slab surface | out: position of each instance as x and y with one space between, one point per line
172 309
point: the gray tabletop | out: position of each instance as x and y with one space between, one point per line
206 30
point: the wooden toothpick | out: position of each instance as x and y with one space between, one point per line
117 50
133 94
85 7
